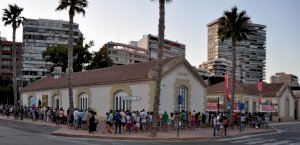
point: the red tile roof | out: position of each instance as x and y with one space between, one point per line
269 90
116 74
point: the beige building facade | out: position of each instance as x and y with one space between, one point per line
278 95
111 88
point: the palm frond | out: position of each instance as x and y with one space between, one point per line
75 6
234 25
11 16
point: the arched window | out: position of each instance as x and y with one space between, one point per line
83 101
119 103
183 91
55 102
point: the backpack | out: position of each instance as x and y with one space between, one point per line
118 117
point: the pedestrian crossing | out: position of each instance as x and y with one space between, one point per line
258 141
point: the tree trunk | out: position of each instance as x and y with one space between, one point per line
232 80
161 35
14 63
70 62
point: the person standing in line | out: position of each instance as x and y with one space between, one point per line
48 115
84 119
61 115
242 121
123 120
165 121
76 119
143 116
118 120
266 120
129 122
138 122
92 123
214 120
22 112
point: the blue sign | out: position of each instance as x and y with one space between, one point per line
180 99
241 106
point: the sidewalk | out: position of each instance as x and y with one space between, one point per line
26 120
185 135
200 134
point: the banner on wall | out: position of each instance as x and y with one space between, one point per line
267 108
211 106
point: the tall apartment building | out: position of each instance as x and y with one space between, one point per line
170 48
289 79
140 51
251 53
217 67
122 54
6 58
38 34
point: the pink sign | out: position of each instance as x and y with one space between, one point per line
211 106
267 108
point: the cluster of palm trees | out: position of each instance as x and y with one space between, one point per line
232 25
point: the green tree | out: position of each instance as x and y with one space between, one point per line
58 55
161 37
75 6
234 26
6 90
12 16
100 59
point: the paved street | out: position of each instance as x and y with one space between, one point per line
18 133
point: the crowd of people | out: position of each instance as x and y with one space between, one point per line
121 121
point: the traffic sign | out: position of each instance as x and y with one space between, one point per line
241 106
131 98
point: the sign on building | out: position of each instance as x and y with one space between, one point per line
131 98
211 106
267 108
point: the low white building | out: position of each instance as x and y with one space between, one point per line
277 95
104 89
296 91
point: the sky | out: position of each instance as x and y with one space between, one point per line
186 20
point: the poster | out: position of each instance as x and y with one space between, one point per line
45 101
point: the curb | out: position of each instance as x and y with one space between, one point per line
135 138
272 130
203 138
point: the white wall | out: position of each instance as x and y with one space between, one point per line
282 111
140 90
100 99
167 92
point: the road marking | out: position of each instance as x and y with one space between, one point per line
70 141
236 138
284 142
297 143
247 140
274 124
261 141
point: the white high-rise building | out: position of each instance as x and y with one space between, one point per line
251 53
38 34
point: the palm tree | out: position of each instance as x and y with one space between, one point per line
236 26
75 6
161 37
12 16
